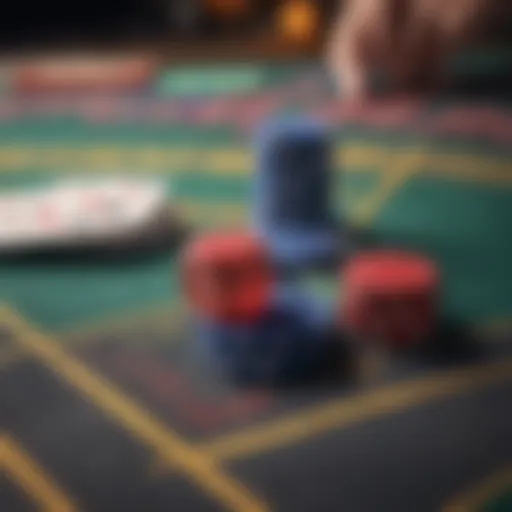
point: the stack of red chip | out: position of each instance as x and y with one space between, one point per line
228 276
390 297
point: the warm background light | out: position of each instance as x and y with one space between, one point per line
298 20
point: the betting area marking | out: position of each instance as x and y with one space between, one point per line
154 360
26 473
81 448
338 413
135 419
236 161
268 438
331 413
284 428
288 427
398 169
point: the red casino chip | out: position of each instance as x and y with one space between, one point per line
390 296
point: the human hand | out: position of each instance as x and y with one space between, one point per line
408 40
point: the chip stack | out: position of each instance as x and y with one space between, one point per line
286 344
247 325
390 298
291 195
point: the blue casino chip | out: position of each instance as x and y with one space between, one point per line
287 344
292 190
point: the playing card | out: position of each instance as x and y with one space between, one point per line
80 212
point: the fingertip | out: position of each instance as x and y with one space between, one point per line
350 77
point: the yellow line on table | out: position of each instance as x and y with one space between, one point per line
468 166
347 411
170 310
207 214
473 499
31 478
223 160
167 444
397 170
233 160
491 177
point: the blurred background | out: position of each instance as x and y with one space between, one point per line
172 90
258 26
261 26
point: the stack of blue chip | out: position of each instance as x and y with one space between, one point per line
293 182
293 337
287 344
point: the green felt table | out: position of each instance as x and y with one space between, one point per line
403 192
436 180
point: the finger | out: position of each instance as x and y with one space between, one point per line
366 36
347 66
350 48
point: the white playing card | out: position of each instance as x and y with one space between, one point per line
79 212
